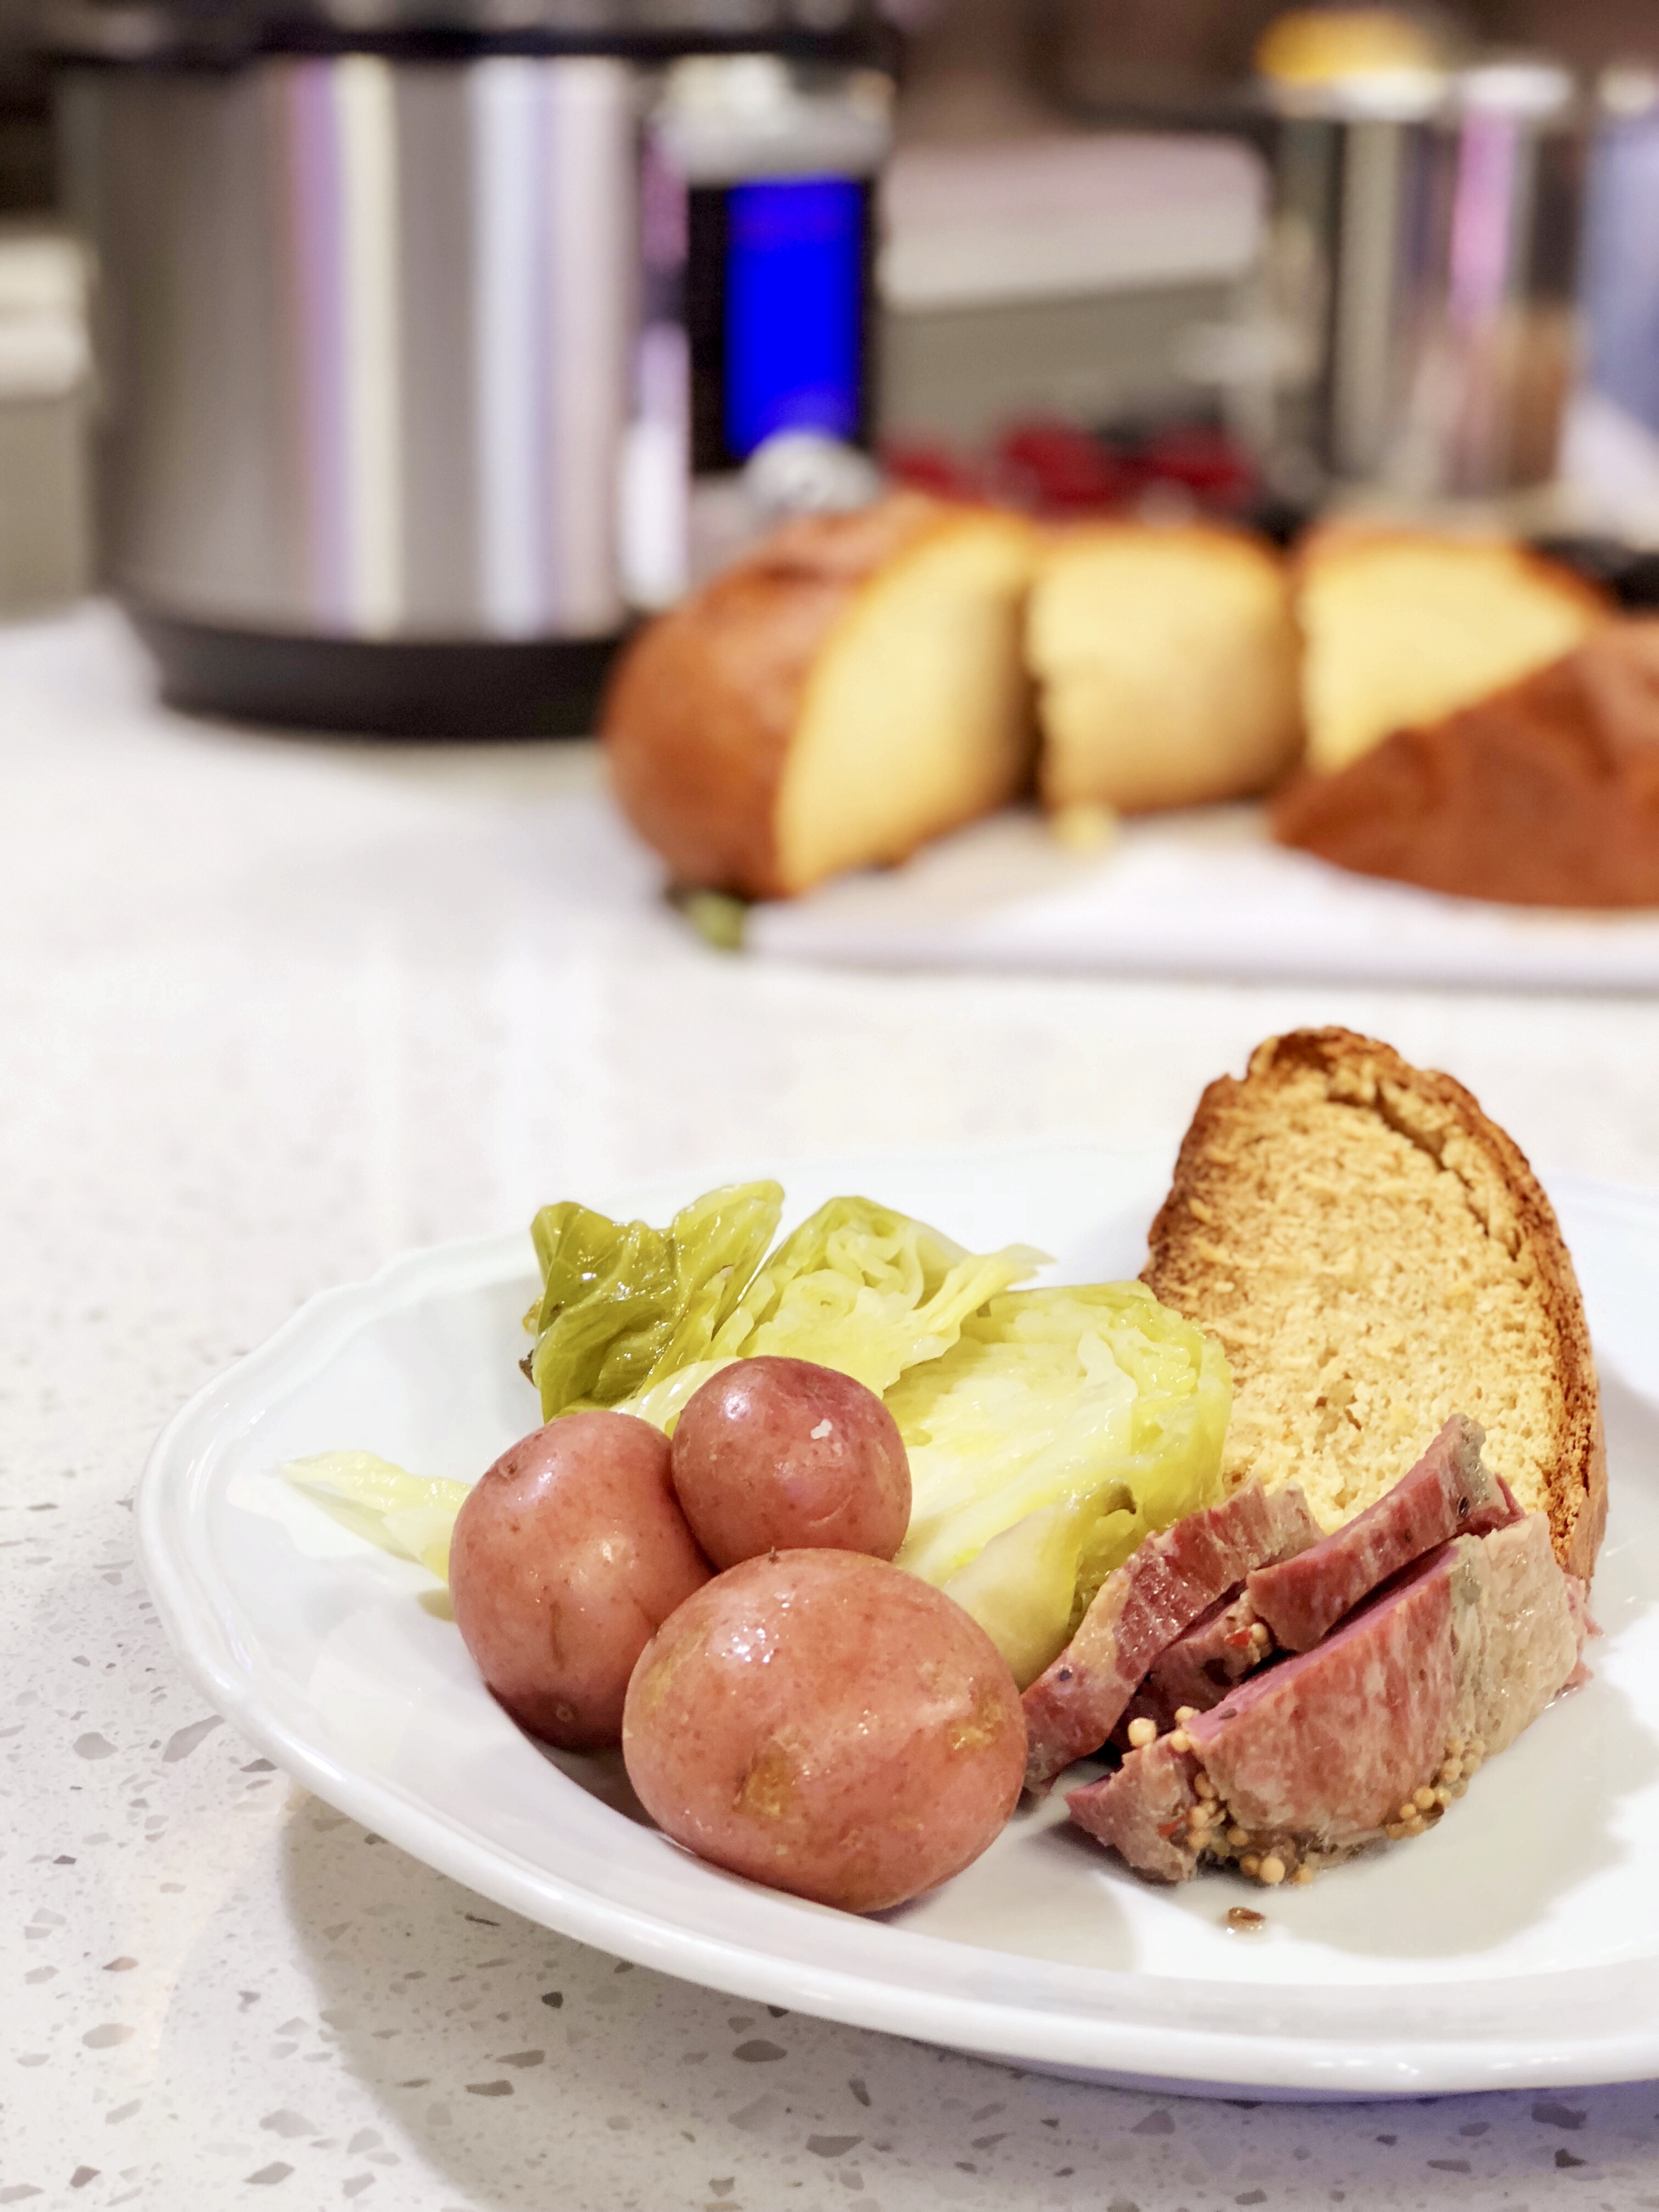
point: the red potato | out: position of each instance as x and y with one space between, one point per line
778 1455
827 1724
566 1558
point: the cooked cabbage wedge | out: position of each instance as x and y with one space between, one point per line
871 1291
1062 1427
1049 1431
627 1309
412 1514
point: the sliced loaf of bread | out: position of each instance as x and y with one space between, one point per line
1376 1255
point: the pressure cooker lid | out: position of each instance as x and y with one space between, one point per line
224 31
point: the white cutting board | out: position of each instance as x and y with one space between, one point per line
1203 893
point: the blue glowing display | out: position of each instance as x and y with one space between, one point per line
794 282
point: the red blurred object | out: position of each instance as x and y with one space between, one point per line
936 469
1056 469
1210 465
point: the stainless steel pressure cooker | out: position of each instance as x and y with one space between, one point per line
365 304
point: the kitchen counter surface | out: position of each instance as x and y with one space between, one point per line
271 1010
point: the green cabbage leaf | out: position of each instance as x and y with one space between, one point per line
624 1305
871 1291
628 1312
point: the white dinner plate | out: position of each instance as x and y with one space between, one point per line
1517 1944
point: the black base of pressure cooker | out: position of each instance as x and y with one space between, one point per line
392 687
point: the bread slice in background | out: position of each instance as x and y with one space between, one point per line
1546 793
1166 664
1375 1254
853 687
1402 627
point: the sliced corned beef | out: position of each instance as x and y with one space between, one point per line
1449 1493
1327 1744
1320 1751
1323 1746
1198 1669
1142 1811
1139 1610
1521 1637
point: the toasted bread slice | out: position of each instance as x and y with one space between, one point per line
1402 626
1166 659
1376 1255
850 690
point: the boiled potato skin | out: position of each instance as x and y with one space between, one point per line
780 1454
567 1557
826 1723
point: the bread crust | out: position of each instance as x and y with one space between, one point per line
700 713
1360 1070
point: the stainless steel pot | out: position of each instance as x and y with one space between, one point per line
1421 277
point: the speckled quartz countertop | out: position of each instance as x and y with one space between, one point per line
271 1010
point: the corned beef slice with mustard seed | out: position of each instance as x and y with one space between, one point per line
1371 1734
1449 1493
1169 1582
1198 1669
